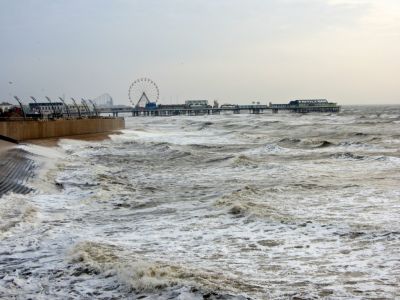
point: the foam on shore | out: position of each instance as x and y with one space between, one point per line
19 163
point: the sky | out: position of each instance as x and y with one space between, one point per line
234 51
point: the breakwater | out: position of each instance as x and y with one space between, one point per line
38 129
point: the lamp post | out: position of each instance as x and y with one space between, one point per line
66 106
22 107
77 107
52 106
94 107
86 106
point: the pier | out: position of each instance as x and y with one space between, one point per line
295 106
164 110
195 111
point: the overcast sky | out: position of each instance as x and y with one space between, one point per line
236 51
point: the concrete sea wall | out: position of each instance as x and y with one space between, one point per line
38 129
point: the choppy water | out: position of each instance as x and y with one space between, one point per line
231 206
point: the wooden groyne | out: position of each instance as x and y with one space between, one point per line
21 130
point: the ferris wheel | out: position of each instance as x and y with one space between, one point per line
143 91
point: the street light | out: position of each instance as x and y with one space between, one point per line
86 106
66 106
77 107
22 107
52 106
94 107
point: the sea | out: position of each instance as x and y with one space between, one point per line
235 206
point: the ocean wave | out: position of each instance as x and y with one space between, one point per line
354 156
290 141
324 144
305 143
219 159
359 134
205 125
352 143
269 213
251 201
270 148
142 275
391 159
266 123
15 211
314 143
244 161
205 146
348 155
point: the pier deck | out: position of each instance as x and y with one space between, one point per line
235 109
194 111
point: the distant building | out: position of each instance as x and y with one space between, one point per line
5 106
58 108
46 108
196 103
227 105
306 106
309 102
75 111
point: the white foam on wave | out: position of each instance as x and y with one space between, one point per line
73 145
251 201
16 212
174 137
46 159
270 148
309 228
145 276
41 151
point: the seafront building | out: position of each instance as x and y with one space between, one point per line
47 109
5 106
41 120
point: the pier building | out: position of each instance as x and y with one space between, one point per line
196 103
306 106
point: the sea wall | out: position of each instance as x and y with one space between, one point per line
39 129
